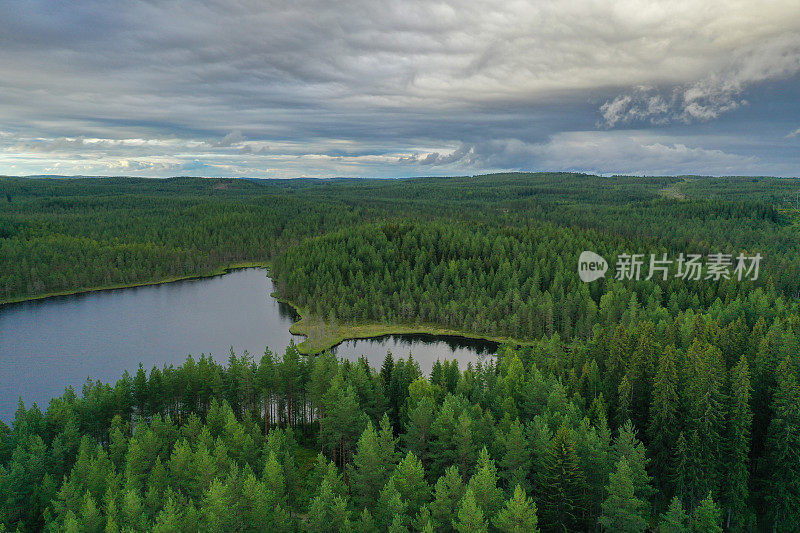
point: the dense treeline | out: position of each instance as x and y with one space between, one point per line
76 241
70 234
690 423
517 282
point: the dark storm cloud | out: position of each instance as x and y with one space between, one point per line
379 88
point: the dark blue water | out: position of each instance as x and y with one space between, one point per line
47 345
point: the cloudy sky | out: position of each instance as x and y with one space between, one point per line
397 88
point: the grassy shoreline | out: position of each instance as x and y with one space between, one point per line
216 272
321 336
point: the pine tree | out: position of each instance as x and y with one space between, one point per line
470 517
391 509
465 446
217 511
418 435
168 519
365 523
387 445
344 420
622 511
518 515
91 520
274 482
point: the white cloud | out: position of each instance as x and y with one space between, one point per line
713 94
233 138
590 151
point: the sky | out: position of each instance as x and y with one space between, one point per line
378 88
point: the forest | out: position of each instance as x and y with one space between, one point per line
618 405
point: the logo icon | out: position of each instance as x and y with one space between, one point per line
591 266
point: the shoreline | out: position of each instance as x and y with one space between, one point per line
72 292
327 336
319 336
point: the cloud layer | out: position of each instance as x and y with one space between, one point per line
379 88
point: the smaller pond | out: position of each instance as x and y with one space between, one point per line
425 348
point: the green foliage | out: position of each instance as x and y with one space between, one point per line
783 443
674 519
704 373
470 516
563 483
622 510
707 517
519 514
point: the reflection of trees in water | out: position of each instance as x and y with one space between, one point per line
425 344
288 312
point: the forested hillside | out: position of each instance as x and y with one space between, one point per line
617 405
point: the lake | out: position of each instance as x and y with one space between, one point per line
47 345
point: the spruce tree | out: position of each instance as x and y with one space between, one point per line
707 517
664 423
484 486
740 418
563 485
448 492
629 447
680 470
470 518
516 456
623 512
705 392
783 443
674 519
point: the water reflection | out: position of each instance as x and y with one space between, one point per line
425 348
47 345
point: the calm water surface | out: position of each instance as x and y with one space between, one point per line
47 345
425 349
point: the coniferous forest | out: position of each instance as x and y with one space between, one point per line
665 404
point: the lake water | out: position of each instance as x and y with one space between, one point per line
425 349
47 345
